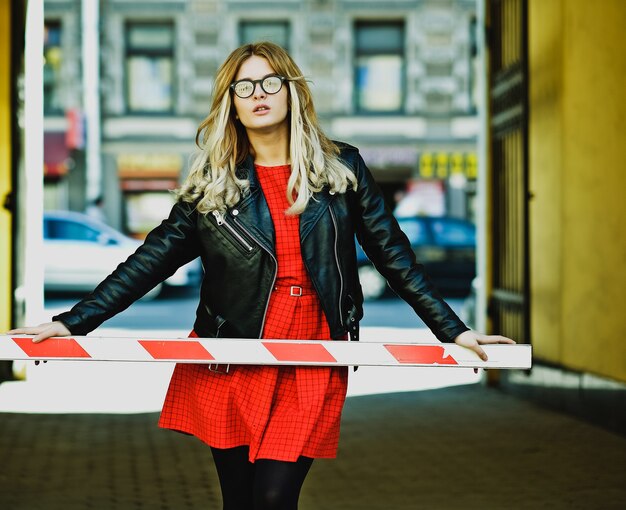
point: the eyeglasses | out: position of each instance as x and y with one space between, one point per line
270 84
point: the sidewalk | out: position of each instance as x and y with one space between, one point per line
464 447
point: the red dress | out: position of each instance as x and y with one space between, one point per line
281 413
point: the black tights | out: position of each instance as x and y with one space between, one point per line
263 485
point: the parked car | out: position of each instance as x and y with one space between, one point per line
445 246
80 251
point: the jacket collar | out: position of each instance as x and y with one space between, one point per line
255 215
316 207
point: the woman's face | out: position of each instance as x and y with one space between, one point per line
261 111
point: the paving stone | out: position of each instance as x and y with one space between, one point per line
466 447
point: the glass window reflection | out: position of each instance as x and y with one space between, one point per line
149 67
379 66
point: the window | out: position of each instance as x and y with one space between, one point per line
379 66
53 58
416 230
256 31
450 233
67 230
149 67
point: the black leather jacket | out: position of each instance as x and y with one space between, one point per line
237 252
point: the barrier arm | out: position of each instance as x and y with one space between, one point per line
237 351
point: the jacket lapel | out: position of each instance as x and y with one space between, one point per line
254 214
318 204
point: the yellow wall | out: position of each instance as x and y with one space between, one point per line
578 214
5 165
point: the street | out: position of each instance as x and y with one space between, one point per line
176 308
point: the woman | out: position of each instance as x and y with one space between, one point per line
272 207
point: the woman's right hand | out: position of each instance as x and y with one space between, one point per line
43 331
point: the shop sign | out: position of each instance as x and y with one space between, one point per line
149 166
444 165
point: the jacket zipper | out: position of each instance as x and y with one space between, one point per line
332 215
221 221
267 303
217 331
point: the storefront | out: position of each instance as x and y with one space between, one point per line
434 183
145 184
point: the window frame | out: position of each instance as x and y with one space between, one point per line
130 51
357 53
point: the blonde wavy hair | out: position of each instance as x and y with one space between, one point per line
223 144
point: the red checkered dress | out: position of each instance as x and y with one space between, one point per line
280 412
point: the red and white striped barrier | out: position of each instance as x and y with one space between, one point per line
262 352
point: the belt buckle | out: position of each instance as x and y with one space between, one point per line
220 368
295 291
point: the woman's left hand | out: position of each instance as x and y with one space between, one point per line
473 340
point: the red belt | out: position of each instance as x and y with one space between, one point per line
294 290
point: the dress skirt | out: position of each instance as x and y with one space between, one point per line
281 413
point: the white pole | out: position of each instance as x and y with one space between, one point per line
482 196
30 293
91 94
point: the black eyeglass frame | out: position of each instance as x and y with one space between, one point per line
260 81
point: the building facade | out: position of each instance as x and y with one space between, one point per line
395 78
